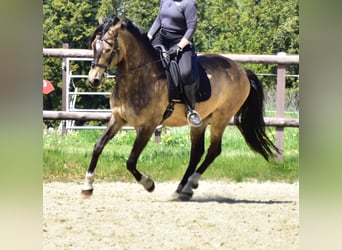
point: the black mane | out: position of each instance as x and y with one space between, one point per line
111 21
103 28
139 34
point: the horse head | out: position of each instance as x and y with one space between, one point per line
107 49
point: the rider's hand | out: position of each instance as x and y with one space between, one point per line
174 51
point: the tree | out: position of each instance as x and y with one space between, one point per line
142 13
216 26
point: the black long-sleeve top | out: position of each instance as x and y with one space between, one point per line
176 16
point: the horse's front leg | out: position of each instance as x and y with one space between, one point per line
113 127
141 140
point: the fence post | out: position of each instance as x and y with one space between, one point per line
280 105
64 90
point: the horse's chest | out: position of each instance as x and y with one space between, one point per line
131 100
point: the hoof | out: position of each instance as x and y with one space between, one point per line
182 196
185 196
87 193
147 183
151 189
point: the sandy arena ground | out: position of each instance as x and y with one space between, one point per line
221 215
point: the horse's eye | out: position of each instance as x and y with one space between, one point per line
107 47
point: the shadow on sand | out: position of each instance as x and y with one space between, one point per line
220 199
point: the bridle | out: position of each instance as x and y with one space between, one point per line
116 50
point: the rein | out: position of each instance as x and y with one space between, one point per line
136 69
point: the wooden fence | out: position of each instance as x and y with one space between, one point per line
104 116
281 59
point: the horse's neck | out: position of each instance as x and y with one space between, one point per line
137 61
140 79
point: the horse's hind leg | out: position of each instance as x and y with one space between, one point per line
214 150
197 136
111 130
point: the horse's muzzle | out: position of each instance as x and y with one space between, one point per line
95 82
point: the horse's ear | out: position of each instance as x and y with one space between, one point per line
102 20
125 23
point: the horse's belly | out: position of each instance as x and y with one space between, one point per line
177 117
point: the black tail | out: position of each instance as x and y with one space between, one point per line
250 120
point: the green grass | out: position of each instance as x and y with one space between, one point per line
66 158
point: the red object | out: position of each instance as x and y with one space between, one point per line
47 87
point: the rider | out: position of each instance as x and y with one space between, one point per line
176 23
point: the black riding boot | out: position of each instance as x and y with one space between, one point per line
192 116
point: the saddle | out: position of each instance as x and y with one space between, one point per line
175 86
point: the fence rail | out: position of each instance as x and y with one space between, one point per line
104 116
280 58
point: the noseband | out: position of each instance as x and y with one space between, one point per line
116 50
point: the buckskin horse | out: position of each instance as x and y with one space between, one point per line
140 98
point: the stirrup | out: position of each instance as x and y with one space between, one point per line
194 119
